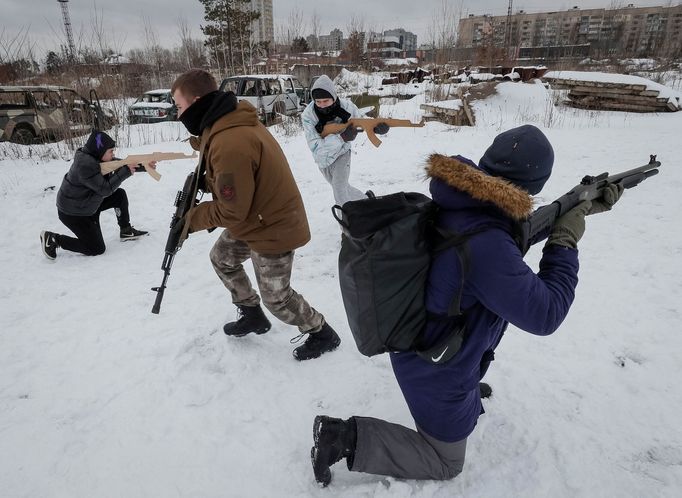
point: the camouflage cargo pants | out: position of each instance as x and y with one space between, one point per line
273 274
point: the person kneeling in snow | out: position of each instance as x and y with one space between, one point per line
498 289
85 192
332 153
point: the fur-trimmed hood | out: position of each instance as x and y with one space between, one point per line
463 176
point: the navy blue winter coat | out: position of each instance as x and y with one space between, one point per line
499 289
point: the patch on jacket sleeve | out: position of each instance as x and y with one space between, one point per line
227 192
226 187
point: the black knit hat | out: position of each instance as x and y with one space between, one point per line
98 143
522 155
321 93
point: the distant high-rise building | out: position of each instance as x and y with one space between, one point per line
392 42
407 40
630 31
331 42
263 28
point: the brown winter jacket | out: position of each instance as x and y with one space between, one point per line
254 193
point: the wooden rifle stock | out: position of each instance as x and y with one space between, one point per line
144 160
367 125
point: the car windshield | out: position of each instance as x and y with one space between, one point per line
154 97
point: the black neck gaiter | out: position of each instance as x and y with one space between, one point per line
207 110
327 114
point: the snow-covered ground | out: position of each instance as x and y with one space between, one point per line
100 398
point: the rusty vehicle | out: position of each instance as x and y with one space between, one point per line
30 114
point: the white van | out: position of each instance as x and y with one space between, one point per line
270 94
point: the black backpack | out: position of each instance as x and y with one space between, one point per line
386 250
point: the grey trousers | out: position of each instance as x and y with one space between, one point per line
337 174
273 275
390 449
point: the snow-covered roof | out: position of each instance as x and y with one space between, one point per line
159 91
401 62
116 59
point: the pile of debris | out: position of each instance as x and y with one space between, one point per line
455 112
614 92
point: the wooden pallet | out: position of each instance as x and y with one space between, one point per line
597 95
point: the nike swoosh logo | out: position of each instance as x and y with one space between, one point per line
437 358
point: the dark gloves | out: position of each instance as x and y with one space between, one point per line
381 129
569 228
349 134
139 168
610 196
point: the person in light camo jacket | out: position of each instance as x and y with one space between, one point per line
332 153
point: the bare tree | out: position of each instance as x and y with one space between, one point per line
102 37
191 49
152 48
17 59
315 29
356 39
295 25
12 47
442 30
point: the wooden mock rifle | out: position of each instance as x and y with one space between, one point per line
367 125
144 160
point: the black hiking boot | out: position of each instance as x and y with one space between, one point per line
485 390
48 242
130 233
317 343
252 320
334 439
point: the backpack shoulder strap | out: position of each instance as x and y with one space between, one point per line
450 238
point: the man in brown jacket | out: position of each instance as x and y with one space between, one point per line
256 200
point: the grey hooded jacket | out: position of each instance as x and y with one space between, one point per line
325 150
84 187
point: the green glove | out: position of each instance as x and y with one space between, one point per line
568 229
610 196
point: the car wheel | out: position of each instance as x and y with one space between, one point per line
24 136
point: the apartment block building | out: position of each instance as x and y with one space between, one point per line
391 43
628 31
407 39
331 42
263 29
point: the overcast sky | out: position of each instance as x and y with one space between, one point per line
123 19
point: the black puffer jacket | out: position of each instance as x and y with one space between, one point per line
84 186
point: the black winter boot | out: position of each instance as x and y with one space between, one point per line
334 439
252 320
317 343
